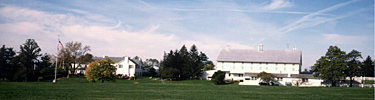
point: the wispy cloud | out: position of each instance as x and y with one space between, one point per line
312 20
109 40
277 4
145 3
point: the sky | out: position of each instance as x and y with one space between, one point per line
148 28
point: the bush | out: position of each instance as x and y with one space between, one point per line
218 77
368 82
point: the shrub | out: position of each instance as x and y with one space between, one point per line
218 77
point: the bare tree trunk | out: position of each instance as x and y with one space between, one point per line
333 83
351 81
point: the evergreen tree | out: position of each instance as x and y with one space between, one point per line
183 63
29 53
44 66
368 67
7 64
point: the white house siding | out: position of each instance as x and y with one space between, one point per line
125 70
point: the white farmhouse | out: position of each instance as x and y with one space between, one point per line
125 66
243 65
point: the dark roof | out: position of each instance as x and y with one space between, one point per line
137 61
116 59
271 56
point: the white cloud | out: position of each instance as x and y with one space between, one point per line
104 40
277 4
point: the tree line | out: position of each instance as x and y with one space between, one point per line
337 65
30 65
26 65
183 64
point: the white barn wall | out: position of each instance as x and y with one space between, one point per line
276 68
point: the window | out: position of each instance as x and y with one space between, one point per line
240 75
305 80
280 79
251 67
253 78
228 74
131 66
293 69
266 68
260 68
275 68
284 68
119 66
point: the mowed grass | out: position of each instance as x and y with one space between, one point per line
145 88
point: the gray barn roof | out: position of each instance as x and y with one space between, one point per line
270 56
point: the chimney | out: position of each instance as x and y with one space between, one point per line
104 56
294 48
260 47
228 47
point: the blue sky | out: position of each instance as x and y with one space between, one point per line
148 28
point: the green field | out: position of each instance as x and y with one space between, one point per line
144 88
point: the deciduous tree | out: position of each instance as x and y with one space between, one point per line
353 65
331 66
75 53
266 77
208 67
102 70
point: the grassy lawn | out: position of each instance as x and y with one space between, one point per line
144 88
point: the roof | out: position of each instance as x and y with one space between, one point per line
137 61
119 59
271 56
116 59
